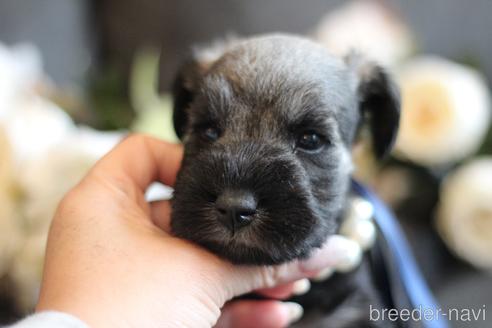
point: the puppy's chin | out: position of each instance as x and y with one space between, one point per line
252 245
241 254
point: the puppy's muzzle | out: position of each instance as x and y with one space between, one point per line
248 202
236 208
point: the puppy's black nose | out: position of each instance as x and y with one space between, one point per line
236 208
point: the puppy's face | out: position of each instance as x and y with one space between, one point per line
268 125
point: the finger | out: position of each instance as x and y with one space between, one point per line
299 287
244 279
279 292
259 314
139 160
160 212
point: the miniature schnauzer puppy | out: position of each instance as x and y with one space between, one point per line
268 125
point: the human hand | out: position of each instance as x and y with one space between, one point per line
112 262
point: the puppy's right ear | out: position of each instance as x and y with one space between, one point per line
184 89
189 77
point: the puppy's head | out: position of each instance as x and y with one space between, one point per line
268 125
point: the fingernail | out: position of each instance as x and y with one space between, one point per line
301 287
294 311
324 274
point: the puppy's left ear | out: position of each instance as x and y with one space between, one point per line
379 102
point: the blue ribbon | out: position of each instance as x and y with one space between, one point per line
415 286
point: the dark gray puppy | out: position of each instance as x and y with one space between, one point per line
268 125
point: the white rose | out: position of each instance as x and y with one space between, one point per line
20 72
11 236
26 272
43 182
368 27
445 111
34 125
464 216
10 232
93 142
45 179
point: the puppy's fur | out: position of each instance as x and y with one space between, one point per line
241 108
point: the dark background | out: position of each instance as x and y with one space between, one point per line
84 42
75 35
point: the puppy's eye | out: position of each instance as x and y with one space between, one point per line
309 141
211 133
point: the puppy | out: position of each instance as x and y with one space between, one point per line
268 124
